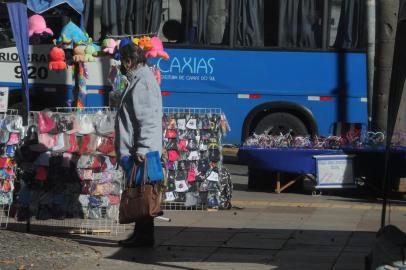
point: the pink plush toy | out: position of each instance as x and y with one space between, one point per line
109 45
157 49
37 25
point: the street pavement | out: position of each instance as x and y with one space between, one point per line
264 230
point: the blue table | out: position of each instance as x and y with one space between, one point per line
368 161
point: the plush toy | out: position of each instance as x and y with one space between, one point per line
109 45
157 50
37 25
145 43
71 34
90 52
56 59
79 53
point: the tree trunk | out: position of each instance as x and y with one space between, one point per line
386 20
371 22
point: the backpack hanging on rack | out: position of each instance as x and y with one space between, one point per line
226 189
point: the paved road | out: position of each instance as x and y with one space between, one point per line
265 231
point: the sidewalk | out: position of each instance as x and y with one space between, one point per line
264 231
272 237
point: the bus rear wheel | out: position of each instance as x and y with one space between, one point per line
281 122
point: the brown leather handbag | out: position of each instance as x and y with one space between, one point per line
139 202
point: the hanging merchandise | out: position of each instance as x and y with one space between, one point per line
157 49
37 25
57 59
195 175
10 138
38 30
71 34
153 48
109 46
70 169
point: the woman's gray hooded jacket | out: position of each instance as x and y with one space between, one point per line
139 117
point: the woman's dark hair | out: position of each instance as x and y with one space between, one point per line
134 53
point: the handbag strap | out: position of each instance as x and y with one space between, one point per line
145 174
133 174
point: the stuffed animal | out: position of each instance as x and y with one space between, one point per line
37 25
90 52
157 50
71 34
109 45
56 59
79 53
145 43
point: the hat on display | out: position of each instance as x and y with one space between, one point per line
37 25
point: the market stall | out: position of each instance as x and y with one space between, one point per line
349 157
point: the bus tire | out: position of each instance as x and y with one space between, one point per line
281 122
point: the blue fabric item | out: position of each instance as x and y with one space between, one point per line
95 201
139 173
19 25
284 160
125 41
39 6
368 161
126 163
154 167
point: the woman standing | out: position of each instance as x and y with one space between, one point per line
138 126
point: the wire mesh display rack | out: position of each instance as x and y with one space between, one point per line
5 209
202 204
106 223
4 215
174 110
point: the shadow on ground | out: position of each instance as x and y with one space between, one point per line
284 249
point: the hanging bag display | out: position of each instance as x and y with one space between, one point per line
45 122
105 125
142 201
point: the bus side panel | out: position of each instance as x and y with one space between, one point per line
265 72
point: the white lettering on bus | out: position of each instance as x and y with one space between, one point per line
192 65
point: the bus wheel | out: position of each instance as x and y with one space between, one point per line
281 122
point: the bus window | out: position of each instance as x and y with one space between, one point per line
6 36
195 22
300 24
347 27
173 21
249 24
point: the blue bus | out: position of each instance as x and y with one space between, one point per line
271 66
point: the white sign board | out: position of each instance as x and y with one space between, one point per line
334 171
3 99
